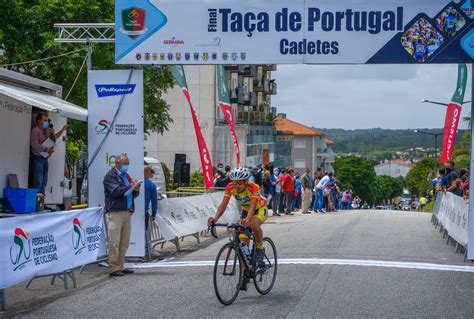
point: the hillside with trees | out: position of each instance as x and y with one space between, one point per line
380 141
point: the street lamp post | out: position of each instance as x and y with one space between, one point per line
436 145
439 103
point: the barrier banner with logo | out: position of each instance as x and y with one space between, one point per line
453 115
44 244
293 31
183 216
453 215
206 162
438 202
115 120
224 103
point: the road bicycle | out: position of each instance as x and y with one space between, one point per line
235 265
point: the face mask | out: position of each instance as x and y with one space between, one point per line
124 169
45 124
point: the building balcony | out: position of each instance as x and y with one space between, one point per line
270 67
247 71
231 67
255 118
265 86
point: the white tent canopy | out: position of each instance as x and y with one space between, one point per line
44 101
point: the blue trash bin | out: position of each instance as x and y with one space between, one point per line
22 200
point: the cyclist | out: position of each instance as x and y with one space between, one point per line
254 209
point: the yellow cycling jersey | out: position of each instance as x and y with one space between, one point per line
251 191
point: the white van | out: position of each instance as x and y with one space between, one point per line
159 178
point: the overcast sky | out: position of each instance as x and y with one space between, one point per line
367 96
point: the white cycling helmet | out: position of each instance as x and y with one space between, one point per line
239 174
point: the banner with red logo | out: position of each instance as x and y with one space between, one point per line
453 115
206 162
115 126
224 103
44 244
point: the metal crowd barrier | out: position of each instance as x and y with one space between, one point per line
155 238
459 248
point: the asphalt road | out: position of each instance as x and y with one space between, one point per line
301 291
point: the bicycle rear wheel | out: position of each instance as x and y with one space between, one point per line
227 274
265 274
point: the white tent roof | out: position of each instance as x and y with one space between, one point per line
44 101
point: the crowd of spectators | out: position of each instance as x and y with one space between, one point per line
447 179
288 191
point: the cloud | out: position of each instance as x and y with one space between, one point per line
366 96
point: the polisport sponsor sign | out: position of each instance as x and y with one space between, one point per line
113 131
48 243
104 90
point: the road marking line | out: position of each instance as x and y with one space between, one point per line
317 261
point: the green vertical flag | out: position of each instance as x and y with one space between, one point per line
224 103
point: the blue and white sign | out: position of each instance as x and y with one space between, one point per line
104 90
113 131
293 31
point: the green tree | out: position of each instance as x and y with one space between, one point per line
417 182
461 157
197 179
387 189
27 33
168 179
359 174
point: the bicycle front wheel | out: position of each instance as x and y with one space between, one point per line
227 274
265 274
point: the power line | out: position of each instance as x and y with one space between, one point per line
77 76
43 59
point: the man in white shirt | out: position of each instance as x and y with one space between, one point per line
319 192
275 191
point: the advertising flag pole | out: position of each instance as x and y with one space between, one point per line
470 245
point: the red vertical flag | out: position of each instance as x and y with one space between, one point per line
453 115
206 162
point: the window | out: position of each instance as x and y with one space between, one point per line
300 163
300 143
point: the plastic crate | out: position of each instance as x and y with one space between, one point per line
22 200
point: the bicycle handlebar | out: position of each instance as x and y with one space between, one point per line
235 226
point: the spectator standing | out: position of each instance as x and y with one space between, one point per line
151 200
288 188
39 153
454 183
296 203
444 179
275 191
346 199
316 179
267 185
319 190
306 186
118 214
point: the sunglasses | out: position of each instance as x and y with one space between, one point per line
239 182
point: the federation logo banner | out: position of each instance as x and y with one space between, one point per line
113 131
45 244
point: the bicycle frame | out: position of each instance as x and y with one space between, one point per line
249 266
